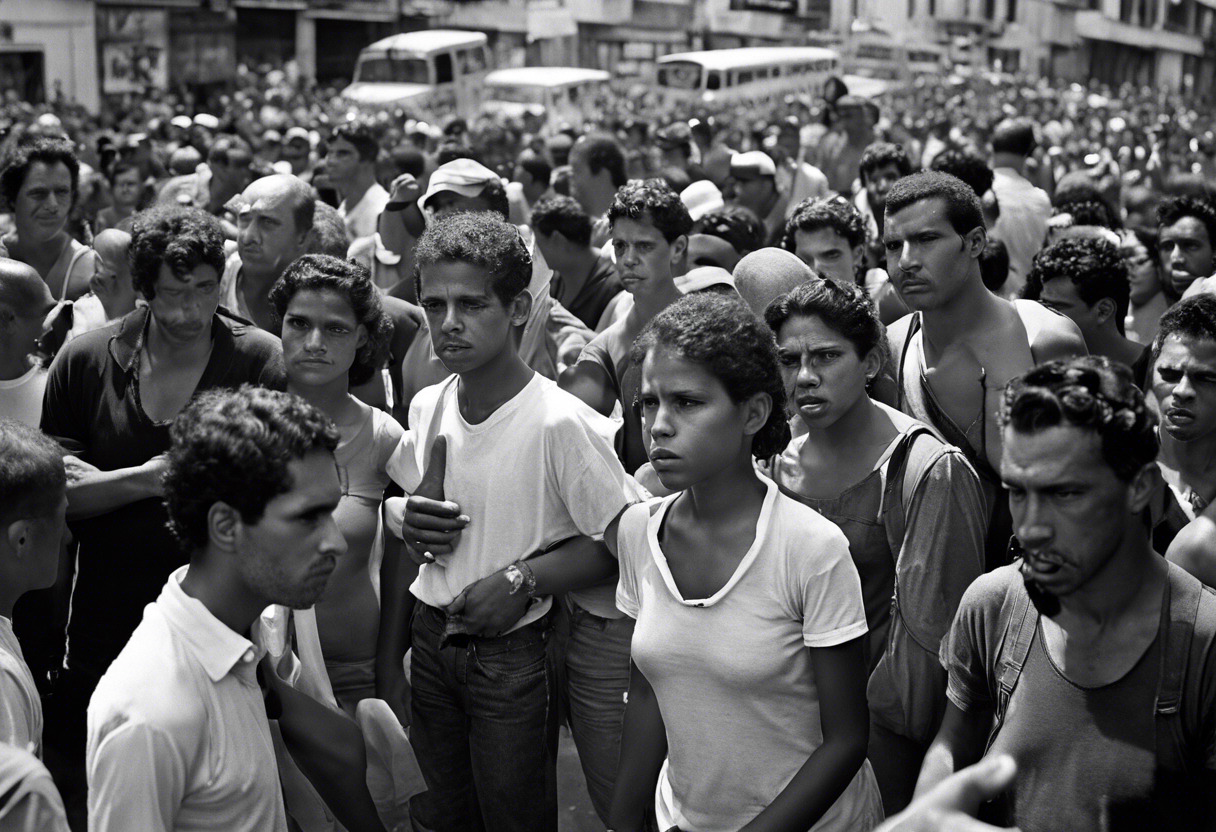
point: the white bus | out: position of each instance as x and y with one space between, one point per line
559 93
879 55
434 71
751 74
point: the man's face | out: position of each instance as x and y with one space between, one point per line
267 237
1061 295
183 306
296 153
644 258
828 253
789 143
1070 511
342 161
43 202
321 337
751 192
853 119
708 250
234 172
446 203
1184 383
1186 253
126 187
470 326
878 182
582 181
1144 274
551 246
928 260
287 556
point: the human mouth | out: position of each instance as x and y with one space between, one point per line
1039 565
662 458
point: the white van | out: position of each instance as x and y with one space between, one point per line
560 93
752 74
434 71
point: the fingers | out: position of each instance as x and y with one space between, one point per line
434 514
967 789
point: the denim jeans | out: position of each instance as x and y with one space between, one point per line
596 681
484 727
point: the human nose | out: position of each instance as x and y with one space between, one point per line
907 262
451 322
1183 389
660 422
333 542
808 376
315 340
1031 523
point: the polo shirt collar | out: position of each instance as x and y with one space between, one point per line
215 645
126 343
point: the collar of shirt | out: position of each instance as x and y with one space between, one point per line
217 648
126 343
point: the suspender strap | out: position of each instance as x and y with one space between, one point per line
1015 647
1185 594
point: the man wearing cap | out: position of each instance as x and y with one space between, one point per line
351 164
753 185
297 146
676 150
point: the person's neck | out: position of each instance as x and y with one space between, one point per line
972 309
117 306
14 366
1108 342
257 285
577 271
225 597
851 430
121 212
1134 569
353 190
42 255
482 391
333 399
1195 461
169 350
735 490
650 302
1141 303
1010 160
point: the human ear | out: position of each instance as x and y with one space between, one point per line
361 337
519 308
224 525
756 411
1105 309
19 534
678 248
871 364
977 239
1145 485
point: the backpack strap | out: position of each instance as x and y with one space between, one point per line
1185 595
899 487
1020 626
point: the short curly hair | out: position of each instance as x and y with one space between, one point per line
32 476
181 238
722 334
737 225
235 446
25 153
1177 207
564 214
966 165
963 209
652 201
319 273
844 307
1090 392
1193 318
361 135
479 238
880 154
1096 267
1087 212
815 213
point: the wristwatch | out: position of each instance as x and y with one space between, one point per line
516 576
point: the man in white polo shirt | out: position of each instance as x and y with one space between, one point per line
178 735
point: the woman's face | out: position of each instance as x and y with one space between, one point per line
824 376
1142 266
321 336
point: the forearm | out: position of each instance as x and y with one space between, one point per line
576 564
817 785
104 491
397 572
328 747
395 233
643 749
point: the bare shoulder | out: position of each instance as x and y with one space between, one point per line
1194 548
1052 335
589 381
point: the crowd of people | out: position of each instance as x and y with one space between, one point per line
837 465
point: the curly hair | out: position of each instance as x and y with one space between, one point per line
319 273
483 239
1096 267
181 238
1087 212
235 446
844 307
32 476
1193 318
361 136
737 225
25 153
723 335
966 165
1177 207
1088 392
880 154
815 213
602 152
654 202
564 214
963 208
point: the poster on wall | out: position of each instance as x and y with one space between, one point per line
134 49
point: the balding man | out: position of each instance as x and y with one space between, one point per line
24 303
764 275
273 224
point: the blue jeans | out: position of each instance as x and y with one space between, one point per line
596 681
484 727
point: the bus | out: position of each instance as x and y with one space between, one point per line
434 71
878 55
751 74
558 93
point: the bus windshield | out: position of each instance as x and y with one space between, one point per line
685 76
393 71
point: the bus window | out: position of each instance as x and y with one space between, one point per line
471 60
443 68
713 81
681 76
393 71
745 76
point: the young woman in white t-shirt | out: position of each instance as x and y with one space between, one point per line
747 704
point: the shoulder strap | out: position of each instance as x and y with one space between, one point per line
899 351
898 488
67 275
1020 625
1185 596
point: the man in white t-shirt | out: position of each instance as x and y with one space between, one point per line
351 165
1025 209
25 301
501 466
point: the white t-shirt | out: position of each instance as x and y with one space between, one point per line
361 218
20 707
539 470
21 397
732 673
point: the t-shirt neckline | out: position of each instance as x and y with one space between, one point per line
660 560
24 378
504 410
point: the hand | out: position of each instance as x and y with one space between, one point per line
77 468
431 524
154 471
405 188
952 804
487 607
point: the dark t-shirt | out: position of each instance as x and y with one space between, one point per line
610 350
92 408
602 286
1086 756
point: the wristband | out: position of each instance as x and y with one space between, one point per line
400 205
529 578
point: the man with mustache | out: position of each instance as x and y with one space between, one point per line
1090 661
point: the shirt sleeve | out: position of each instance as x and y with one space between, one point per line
62 406
828 587
631 539
966 652
17 725
137 778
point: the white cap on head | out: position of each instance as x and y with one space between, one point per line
463 176
752 164
701 197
